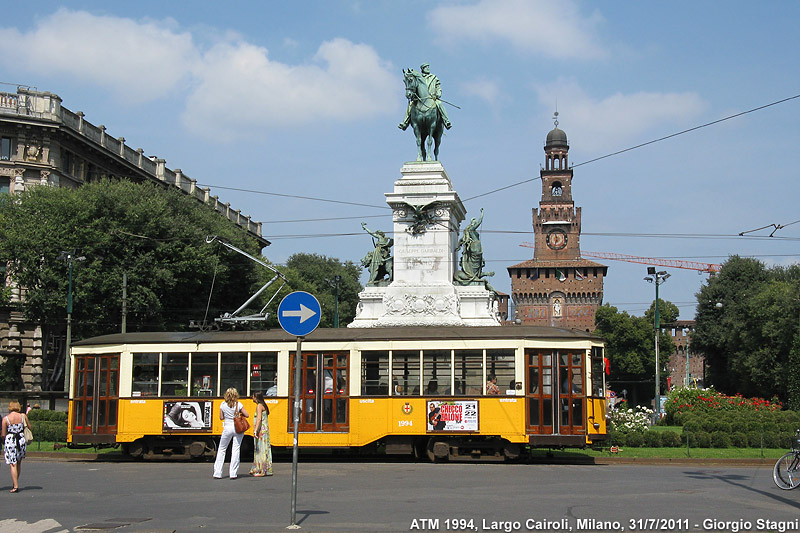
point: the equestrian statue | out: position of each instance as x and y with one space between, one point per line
425 111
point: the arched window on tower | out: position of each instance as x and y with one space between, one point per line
556 189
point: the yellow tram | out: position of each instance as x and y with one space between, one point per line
400 390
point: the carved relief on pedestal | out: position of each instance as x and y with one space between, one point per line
421 305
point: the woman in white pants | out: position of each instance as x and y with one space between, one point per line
227 410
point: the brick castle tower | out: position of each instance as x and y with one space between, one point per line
557 287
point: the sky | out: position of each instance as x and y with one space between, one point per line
289 112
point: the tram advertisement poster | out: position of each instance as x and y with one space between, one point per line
188 416
461 415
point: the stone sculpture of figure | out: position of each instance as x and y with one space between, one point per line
379 261
472 261
434 90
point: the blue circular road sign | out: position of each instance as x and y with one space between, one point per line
299 313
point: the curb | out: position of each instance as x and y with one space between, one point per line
114 458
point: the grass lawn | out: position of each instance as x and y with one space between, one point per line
46 446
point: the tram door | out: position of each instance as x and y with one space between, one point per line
96 395
556 394
323 393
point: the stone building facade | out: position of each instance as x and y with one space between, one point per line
557 287
43 143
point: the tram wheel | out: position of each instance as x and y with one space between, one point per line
136 449
438 450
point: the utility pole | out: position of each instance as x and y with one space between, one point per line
337 278
656 278
124 302
70 258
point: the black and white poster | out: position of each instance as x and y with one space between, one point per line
189 416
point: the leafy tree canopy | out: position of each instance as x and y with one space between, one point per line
153 235
317 275
748 328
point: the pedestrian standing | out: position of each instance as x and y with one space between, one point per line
229 409
262 455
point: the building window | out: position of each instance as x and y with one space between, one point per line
5 185
5 149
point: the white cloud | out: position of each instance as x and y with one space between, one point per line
619 119
139 61
555 29
486 90
231 87
240 87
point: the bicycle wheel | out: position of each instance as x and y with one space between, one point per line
786 472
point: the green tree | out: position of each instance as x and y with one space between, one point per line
316 274
629 348
747 328
153 235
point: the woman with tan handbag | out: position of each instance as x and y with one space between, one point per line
14 441
230 409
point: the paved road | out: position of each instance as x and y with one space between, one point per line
392 496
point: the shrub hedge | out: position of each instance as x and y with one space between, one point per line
48 425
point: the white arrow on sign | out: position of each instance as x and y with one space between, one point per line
304 313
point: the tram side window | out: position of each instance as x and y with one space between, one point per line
174 374
405 372
234 372
501 364
436 372
598 367
468 372
264 373
204 374
145 374
375 373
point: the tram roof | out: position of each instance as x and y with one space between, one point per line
344 335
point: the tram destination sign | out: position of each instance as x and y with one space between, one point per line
299 313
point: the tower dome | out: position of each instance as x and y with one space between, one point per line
556 139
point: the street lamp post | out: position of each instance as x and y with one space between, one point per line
656 278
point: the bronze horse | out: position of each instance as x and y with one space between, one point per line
425 119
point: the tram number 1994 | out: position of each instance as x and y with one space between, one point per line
405 423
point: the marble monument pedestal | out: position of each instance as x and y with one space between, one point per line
427 213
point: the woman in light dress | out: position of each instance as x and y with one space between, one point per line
262 455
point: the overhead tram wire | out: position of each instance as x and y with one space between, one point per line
759 108
736 115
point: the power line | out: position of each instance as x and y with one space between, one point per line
689 130
293 196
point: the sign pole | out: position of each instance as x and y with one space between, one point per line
295 447
298 314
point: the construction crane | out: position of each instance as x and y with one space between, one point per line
709 268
